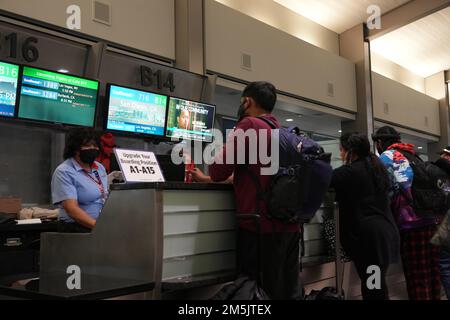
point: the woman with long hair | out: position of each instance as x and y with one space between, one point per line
368 231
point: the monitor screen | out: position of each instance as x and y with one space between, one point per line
136 111
58 98
190 120
9 76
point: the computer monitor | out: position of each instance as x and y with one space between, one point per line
190 120
57 98
136 111
9 78
172 172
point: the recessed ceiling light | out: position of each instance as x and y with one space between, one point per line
340 131
420 148
289 120
63 70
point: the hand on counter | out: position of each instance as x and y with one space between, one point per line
198 176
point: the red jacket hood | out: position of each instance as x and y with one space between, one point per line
403 146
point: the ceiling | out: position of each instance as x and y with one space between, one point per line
338 15
423 47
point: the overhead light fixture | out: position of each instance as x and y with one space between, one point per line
289 120
420 148
63 70
340 131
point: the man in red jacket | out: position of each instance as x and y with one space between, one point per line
279 241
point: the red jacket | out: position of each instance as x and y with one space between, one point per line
245 188
107 149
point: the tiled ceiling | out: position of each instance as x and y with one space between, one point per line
338 15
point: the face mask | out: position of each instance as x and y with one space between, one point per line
89 155
241 111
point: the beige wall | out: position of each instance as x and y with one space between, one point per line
141 24
407 107
435 86
293 65
396 72
288 21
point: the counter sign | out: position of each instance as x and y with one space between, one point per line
139 166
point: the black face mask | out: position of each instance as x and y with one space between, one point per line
241 111
88 156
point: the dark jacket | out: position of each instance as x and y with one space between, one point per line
367 227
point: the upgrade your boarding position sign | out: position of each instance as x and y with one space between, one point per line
139 166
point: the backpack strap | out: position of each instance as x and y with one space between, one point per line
409 156
260 193
269 122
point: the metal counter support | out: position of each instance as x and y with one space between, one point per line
126 242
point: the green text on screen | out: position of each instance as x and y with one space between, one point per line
58 98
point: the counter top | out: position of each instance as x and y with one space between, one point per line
93 287
173 186
41 227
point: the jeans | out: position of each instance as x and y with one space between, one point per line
445 271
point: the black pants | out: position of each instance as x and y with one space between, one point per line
279 262
64 227
372 294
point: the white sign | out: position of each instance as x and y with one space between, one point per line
139 166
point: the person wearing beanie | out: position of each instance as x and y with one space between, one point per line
420 258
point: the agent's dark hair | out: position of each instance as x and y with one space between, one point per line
264 94
359 145
79 137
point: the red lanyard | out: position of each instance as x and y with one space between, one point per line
98 181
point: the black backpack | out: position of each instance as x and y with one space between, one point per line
429 197
327 293
243 288
298 189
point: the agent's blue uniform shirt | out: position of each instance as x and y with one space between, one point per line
71 181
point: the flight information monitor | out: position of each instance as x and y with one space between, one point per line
9 76
190 120
57 98
136 111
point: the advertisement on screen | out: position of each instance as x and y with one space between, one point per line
190 120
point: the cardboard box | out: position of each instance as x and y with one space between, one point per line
10 205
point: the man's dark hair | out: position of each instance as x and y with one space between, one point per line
264 94
387 136
78 137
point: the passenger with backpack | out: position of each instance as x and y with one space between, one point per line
416 202
368 231
274 252
442 237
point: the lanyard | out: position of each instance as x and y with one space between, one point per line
98 182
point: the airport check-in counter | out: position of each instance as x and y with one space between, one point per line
161 237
